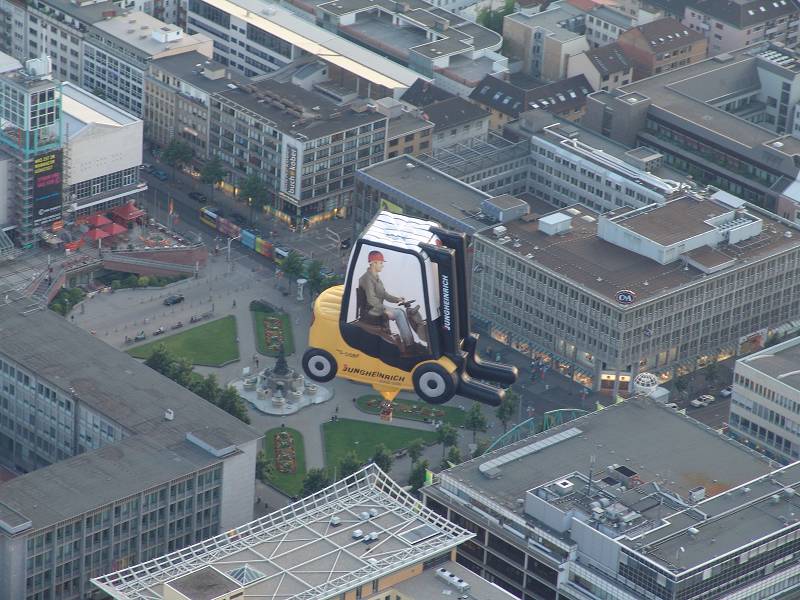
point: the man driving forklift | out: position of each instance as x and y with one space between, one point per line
375 294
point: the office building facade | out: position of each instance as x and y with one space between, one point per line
601 508
111 463
304 147
765 406
634 296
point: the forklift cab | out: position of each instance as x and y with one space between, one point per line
401 319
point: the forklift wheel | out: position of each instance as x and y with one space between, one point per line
319 365
434 384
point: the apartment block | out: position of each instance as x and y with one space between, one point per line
544 41
107 462
408 132
733 25
605 68
661 46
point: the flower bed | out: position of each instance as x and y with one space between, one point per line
285 458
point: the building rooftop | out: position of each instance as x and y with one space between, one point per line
557 97
428 585
80 108
604 13
668 34
609 59
781 362
662 484
453 112
131 395
583 257
375 25
689 96
190 67
309 114
88 12
563 21
320 42
445 198
318 547
406 123
423 92
147 34
744 13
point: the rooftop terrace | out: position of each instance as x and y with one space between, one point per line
355 531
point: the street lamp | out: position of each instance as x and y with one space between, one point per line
230 240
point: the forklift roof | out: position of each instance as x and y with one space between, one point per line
400 231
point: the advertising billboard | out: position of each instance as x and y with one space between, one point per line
291 167
47 187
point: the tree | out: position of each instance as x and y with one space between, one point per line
177 154
262 466
207 388
349 464
314 481
160 360
383 458
181 372
231 403
317 280
212 173
712 373
292 266
453 457
446 435
507 409
416 478
480 448
680 385
415 448
254 192
475 420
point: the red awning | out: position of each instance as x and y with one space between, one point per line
97 220
128 212
95 234
114 229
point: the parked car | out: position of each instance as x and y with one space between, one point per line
707 398
160 175
174 299
198 197
701 401
671 405
726 392
146 167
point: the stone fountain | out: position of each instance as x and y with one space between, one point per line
280 390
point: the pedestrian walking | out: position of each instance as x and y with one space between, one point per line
234 303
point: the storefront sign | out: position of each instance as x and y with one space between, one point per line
47 187
626 297
291 171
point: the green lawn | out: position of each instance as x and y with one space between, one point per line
288 484
346 434
258 325
413 409
211 344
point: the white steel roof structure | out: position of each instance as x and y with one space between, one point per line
352 532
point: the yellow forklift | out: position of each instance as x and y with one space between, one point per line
400 322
